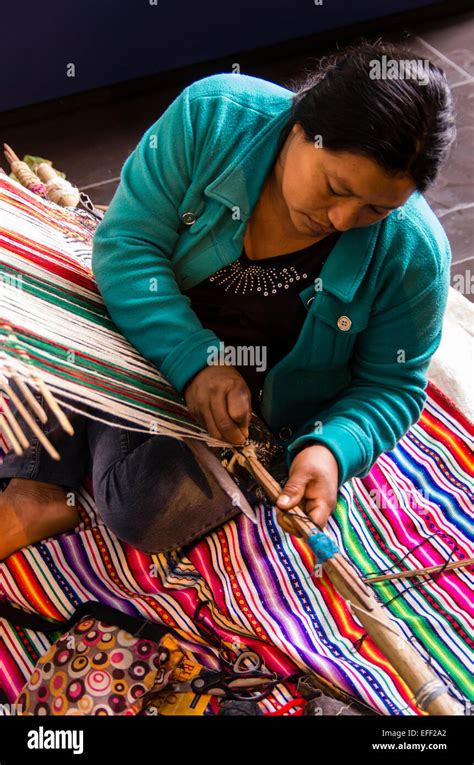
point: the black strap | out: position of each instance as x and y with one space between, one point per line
132 624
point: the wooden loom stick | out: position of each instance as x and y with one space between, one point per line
428 691
48 396
5 428
54 406
300 519
34 404
414 572
29 420
13 423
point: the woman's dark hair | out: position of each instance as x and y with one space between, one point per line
365 100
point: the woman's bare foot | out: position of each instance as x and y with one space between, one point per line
31 511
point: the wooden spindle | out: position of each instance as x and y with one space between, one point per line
428 691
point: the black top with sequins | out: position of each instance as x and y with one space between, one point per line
254 308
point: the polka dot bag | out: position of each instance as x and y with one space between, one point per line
97 667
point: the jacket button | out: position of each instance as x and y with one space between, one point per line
188 218
344 323
285 433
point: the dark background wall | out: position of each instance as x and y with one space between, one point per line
110 41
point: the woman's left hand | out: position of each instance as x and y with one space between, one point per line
313 484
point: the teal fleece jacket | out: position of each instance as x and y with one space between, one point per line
355 379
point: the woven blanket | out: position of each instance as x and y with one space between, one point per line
253 584
49 298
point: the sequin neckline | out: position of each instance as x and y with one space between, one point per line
264 276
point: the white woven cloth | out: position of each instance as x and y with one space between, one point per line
452 366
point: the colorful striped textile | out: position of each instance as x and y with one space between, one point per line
48 296
253 585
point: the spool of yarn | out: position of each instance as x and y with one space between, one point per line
23 173
58 189
322 546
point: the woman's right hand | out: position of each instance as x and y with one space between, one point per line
220 400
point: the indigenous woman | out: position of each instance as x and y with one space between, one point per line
269 251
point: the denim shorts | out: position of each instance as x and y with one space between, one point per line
149 489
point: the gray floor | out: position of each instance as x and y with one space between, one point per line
90 144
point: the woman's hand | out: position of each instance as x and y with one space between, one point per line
220 400
313 484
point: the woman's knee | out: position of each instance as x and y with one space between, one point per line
115 508
129 518
164 507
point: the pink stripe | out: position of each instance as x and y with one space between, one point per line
426 555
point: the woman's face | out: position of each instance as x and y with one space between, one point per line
326 191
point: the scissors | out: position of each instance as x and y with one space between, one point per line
242 680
